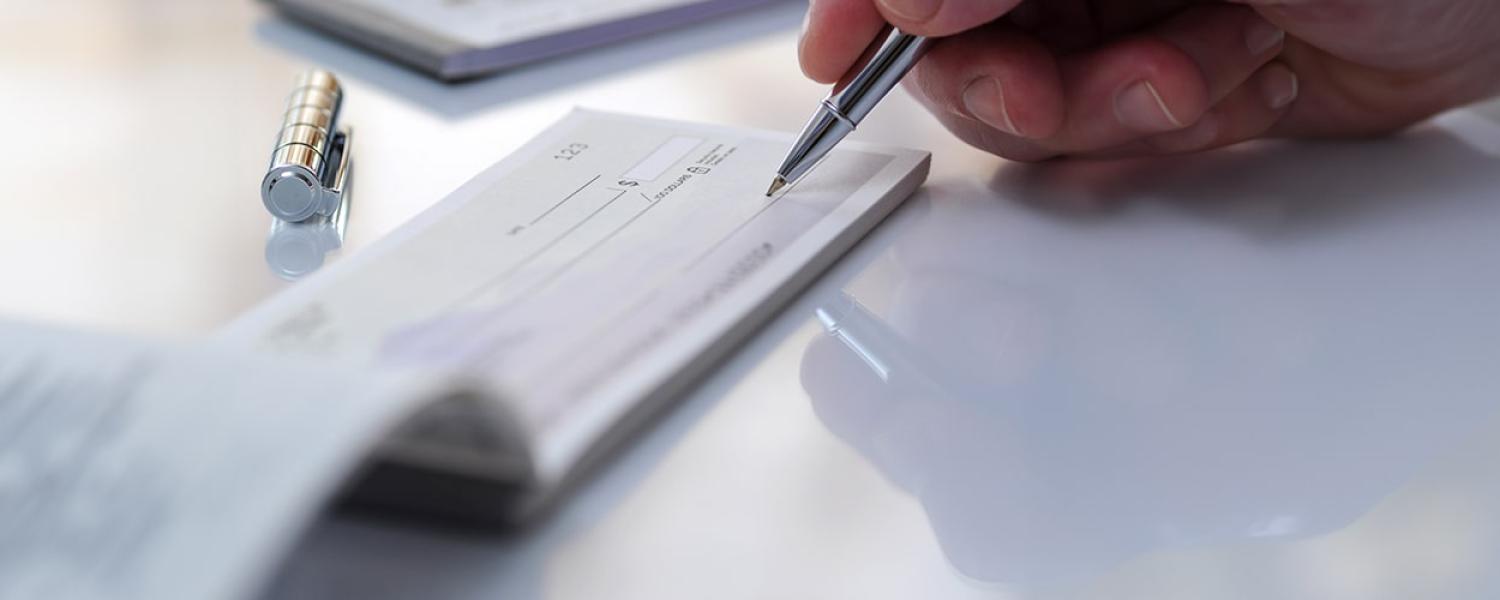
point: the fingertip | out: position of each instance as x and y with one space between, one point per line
910 15
1140 107
998 76
1248 112
1037 101
942 18
835 34
1279 86
814 58
1200 135
1262 37
1163 89
813 66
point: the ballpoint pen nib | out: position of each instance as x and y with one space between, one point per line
776 185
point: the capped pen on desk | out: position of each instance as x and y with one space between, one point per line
309 172
881 67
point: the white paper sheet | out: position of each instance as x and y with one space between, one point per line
591 268
133 471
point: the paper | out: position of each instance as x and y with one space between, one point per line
590 270
131 471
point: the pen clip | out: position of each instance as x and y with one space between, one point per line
336 170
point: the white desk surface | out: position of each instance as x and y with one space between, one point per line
1262 373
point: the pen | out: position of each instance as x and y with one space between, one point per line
882 66
309 172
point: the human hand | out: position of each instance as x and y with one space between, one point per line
1036 79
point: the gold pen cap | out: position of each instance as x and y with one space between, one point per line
309 168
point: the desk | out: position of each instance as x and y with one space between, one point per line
1263 373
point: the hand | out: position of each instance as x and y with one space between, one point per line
1035 79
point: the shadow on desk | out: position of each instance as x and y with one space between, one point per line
1274 188
459 100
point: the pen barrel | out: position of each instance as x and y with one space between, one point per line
311 117
304 161
882 66
879 69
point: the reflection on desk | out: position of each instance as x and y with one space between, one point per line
294 250
1262 366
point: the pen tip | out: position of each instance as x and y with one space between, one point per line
776 185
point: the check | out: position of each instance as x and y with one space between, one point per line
593 273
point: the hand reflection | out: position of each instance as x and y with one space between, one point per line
946 422
1055 422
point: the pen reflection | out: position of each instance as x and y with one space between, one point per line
1061 403
295 250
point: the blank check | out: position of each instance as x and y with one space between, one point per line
595 272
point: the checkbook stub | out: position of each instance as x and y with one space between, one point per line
593 273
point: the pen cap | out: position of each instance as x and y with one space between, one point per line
304 178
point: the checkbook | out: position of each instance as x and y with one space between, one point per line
473 364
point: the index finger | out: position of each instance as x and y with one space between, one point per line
838 31
939 18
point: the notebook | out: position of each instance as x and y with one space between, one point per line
459 39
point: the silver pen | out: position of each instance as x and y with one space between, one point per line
881 67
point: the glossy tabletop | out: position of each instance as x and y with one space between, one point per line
1269 372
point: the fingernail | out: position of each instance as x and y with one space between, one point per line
984 101
1261 37
1139 107
913 10
1279 86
